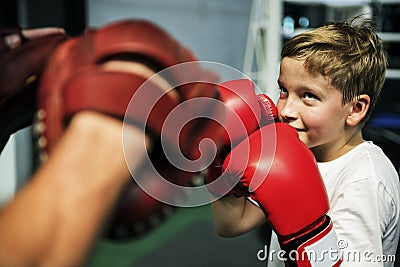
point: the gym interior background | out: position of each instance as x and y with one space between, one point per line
244 34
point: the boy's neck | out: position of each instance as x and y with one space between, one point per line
338 148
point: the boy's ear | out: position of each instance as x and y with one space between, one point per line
358 109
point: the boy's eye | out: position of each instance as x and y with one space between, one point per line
309 96
283 90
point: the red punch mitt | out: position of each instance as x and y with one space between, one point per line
21 69
79 77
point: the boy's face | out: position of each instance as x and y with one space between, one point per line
309 103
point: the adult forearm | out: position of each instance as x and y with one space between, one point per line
54 220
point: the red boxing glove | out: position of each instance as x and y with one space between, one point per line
269 113
242 110
284 180
77 78
245 113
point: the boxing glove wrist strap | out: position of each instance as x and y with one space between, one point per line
318 247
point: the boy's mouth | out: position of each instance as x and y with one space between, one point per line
298 129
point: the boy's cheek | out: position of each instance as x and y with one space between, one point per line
303 138
308 140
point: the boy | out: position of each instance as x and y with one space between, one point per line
330 79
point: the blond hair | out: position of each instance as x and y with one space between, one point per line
350 53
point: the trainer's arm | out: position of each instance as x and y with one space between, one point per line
54 219
234 216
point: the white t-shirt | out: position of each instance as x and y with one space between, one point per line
364 195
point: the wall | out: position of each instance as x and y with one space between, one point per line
215 30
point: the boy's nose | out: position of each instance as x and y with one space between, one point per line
287 112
